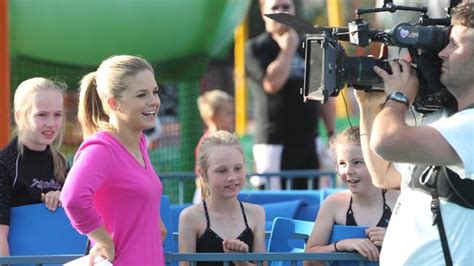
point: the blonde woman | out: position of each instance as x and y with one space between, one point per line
112 192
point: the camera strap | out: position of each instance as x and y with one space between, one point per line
430 176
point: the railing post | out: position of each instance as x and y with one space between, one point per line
181 191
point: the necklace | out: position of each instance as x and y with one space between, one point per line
134 151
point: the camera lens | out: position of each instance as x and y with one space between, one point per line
359 70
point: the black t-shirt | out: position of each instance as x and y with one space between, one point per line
283 117
23 178
35 176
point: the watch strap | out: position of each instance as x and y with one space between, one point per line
398 96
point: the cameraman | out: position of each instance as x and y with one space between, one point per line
411 237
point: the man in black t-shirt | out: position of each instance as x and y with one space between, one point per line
286 127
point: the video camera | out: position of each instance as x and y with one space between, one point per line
328 68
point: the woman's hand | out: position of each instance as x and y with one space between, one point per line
235 245
376 235
101 250
163 231
364 246
51 199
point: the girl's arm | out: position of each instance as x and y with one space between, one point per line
259 232
319 238
187 235
5 204
4 248
326 218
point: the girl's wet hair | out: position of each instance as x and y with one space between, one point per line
217 139
351 135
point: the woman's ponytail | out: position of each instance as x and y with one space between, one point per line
91 113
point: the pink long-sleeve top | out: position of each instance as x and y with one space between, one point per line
107 186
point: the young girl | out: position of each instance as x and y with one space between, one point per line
221 223
32 170
112 192
216 108
363 204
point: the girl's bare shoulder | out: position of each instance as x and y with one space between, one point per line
338 198
254 208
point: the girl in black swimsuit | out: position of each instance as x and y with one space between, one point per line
221 223
362 205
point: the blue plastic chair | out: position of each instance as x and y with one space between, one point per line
165 214
289 235
34 230
340 232
307 213
263 197
175 212
285 209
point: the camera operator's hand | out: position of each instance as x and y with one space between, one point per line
403 79
288 40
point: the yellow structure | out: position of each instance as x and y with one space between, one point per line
335 18
240 36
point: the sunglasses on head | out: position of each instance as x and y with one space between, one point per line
284 7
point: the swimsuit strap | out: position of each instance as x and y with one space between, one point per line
207 214
243 213
350 215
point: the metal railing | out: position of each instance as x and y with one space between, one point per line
288 174
260 258
39 259
192 258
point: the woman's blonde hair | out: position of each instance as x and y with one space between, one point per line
220 138
211 102
110 79
23 103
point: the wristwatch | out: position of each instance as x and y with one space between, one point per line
398 96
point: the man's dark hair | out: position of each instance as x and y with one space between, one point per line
463 15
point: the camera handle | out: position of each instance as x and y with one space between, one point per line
388 6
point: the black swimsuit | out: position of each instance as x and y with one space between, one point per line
383 222
211 242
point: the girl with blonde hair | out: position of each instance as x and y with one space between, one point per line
221 223
32 169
